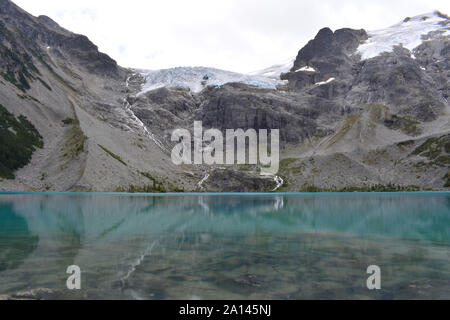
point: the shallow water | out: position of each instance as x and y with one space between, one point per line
234 246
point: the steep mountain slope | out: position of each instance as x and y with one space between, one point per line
354 109
74 97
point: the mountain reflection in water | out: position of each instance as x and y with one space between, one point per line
248 246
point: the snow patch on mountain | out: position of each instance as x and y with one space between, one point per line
198 78
409 33
324 82
306 69
276 70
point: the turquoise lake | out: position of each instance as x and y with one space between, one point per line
226 246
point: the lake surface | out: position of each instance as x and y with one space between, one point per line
233 246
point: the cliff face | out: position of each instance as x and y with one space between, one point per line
330 52
350 114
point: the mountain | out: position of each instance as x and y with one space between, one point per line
73 95
355 109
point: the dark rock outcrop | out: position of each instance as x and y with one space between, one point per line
234 181
329 53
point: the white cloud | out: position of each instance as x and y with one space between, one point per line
237 35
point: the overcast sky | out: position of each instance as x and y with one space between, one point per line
236 35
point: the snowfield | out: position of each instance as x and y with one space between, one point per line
408 33
275 71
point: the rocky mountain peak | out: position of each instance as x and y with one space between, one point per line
32 36
329 44
328 56
49 22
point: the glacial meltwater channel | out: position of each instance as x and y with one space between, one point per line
225 246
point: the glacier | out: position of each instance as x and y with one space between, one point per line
198 78
409 33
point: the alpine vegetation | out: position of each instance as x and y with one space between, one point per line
241 147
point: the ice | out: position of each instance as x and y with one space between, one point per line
198 78
407 33
259 84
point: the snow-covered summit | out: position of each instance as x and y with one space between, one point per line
409 33
197 78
